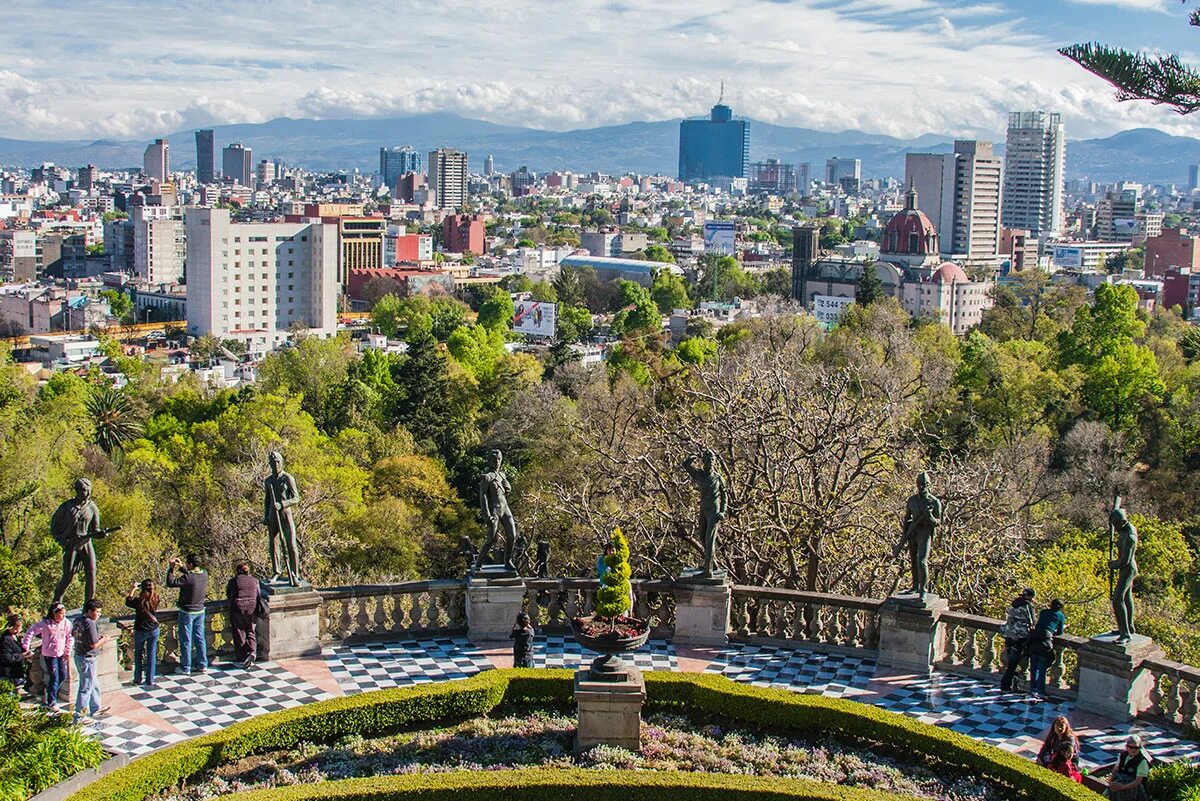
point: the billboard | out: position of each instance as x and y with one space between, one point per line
720 236
535 318
828 309
1068 258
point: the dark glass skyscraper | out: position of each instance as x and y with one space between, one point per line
205 156
718 147
396 161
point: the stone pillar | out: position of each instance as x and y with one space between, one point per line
1112 682
702 613
492 607
293 628
108 667
610 712
910 635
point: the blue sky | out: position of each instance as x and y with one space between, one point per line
135 69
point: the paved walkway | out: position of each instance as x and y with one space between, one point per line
185 706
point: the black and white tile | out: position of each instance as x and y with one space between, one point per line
798 669
382 665
119 735
556 651
199 704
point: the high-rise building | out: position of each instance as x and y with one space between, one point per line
360 244
1117 215
448 178
463 234
255 281
266 172
838 170
159 244
205 156
489 165
86 180
396 161
803 178
1193 177
771 177
237 163
717 147
960 193
1034 161
522 181
156 163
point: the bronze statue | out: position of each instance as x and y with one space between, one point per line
493 506
1125 564
714 505
279 496
922 515
74 525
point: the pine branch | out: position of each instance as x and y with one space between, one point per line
1163 80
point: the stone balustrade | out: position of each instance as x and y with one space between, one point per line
552 603
975 647
1174 692
218 636
381 611
811 618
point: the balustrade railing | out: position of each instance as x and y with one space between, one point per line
551 603
975 647
1173 693
813 618
218 636
373 611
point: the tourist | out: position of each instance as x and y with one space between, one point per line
88 640
1050 623
1063 761
55 634
144 602
243 594
601 565
522 637
1060 732
12 655
192 582
1015 631
1128 782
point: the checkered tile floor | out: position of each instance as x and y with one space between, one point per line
561 652
200 704
118 734
381 665
802 670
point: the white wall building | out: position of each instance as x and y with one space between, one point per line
960 192
254 281
156 162
447 178
159 244
1034 163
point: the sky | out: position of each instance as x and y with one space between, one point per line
137 69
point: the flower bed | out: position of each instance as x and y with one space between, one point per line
386 712
542 739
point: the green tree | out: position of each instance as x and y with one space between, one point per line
869 288
388 315
659 253
612 599
114 418
638 314
446 315
314 369
574 324
496 313
119 303
669 291
696 350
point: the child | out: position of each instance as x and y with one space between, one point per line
1063 762
522 637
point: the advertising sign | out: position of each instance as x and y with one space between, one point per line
535 318
1068 258
720 236
828 309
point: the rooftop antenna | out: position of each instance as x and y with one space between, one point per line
722 97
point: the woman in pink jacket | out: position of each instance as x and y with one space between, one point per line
55 633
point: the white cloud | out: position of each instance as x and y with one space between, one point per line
902 67
1136 5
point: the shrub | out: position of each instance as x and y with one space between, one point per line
1175 781
612 599
39 749
387 711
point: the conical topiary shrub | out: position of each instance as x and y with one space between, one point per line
612 599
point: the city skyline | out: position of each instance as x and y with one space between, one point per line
824 65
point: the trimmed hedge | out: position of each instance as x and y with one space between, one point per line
377 713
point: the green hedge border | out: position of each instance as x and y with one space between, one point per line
376 713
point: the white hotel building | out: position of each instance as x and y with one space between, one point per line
255 281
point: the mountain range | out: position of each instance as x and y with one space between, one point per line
1142 154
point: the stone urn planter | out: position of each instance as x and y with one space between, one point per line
610 639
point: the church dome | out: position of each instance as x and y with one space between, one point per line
910 232
949 273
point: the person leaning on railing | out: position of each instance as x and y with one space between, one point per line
1050 623
1015 631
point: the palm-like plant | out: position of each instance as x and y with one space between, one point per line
114 418
1161 79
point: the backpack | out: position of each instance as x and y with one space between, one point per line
1018 623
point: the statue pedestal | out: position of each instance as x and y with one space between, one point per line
910 637
294 626
494 599
610 712
702 611
1111 681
